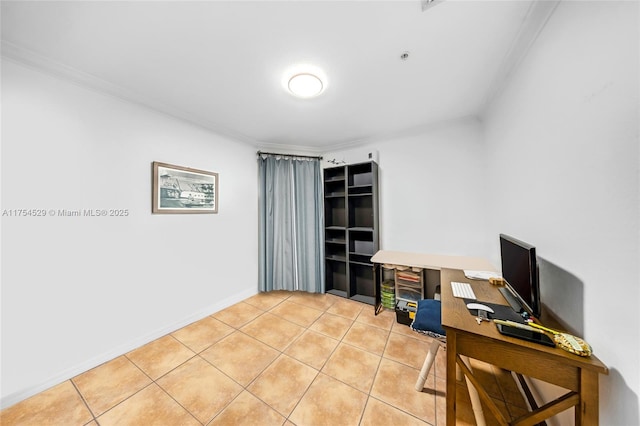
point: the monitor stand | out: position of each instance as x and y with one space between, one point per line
511 299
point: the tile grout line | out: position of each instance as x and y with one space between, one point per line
86 404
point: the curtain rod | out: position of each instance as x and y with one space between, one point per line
289 155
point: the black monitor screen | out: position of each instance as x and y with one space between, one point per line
519 269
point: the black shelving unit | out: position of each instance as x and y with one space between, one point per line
351 230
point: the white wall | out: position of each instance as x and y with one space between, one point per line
562 145
431 189
78 291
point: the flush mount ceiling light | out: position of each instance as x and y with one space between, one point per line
304 81
305 85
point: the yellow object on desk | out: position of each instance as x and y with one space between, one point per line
566 341
518 325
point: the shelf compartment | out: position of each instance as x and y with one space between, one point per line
360 174
334 174
408 294
334 189
361 279
361 242
402 277
335 243
335 251
335 235
336 276
409 285
361 212
335 212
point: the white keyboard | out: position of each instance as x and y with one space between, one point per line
462 290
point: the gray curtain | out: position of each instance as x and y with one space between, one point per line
291 209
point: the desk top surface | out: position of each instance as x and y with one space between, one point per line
456 316
432 261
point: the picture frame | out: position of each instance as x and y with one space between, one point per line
183 190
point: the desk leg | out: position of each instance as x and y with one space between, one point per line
451 378
587 413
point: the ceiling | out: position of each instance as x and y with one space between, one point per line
220 64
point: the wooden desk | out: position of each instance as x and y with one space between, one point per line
579 375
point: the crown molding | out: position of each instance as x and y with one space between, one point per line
89 81
409 132
534 22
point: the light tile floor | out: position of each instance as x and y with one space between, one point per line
279 358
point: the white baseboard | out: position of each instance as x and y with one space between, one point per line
69 373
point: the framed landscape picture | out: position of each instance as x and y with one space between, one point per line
179 189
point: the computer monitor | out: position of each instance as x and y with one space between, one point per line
520 270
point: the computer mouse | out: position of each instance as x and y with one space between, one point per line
479 306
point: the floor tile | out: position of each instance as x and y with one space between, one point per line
378 413
265 301
400 393
110 383
296 313
282 384
150 406
59 405
160 356
282 294
491 420
238 315
273 330
200 388
241 357
367 337
318 301
312 348
347 308
406 350
329 402
407 331
332 325
202 334
385 319
515 411
352 366
246 409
